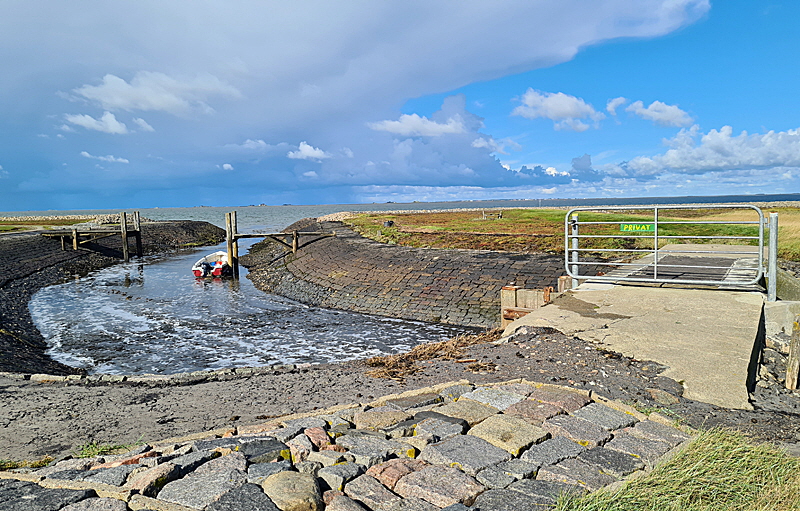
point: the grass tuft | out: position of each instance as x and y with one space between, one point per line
718 471
400 365
9 464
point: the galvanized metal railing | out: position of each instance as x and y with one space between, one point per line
737 259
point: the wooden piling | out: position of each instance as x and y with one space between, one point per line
123 226
74 239
793 363
295 242
137 225
235 228
230 238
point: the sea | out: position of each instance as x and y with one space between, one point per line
151 316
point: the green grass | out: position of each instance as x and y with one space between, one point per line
718 471
9 464
92 449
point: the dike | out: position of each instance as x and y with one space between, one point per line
350 272
31 262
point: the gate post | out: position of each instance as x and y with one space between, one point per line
772 259
574 233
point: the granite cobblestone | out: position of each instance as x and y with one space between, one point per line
373 472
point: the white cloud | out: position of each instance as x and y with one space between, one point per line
496 146
310 174
3 173
108 123
227 166
414 125
143 124
694 152
152 91
613 104
308 152
109 158
661 113
566 112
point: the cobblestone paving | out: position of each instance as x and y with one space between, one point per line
426 449
351 272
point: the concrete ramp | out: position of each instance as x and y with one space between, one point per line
706 337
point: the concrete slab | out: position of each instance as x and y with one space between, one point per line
706 337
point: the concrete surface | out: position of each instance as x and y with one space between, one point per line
706 337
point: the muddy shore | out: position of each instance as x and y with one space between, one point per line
46 418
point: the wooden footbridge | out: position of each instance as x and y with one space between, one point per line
290 239
80 235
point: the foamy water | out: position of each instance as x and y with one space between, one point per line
155 317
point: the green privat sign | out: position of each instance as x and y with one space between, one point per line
637 227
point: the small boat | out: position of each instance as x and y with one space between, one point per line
212 265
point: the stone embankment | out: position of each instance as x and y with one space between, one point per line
31 262
348 271
454 446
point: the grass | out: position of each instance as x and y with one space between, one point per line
9 464
92 449
718 471
400 365
542 230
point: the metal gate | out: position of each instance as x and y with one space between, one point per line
664 244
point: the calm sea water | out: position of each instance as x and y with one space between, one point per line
152 316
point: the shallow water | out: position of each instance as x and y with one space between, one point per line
155 317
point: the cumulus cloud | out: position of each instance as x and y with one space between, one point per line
692 152
107 123
153 91
496 146
3 173
567 112
227 166
414 125
308 152
661 113
613 104
109 158
143 124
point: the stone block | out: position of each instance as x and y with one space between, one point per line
370 492
468 453
494 478
248 497
576 429
293 491
305 422
257 473
389 472
342 503
523 389
412 504
441 486
264 450
308 467
646 450
438 429
99 504
546 491
512 434
338 475
615 463
334 420
140 502
552 451
377 446
433 414
575 472
468 410
519 469
456 507
206 484
506 500
605 417
566 400
532 411
151 481
650 430
115 476
380 417
318 436
27 496
132 459
454 392
493 396
327 458
189 462
404 403
300 447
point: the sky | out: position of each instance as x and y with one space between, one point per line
184 103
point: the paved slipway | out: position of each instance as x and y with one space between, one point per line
545 413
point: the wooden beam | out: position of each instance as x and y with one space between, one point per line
123 229
137 224
793 362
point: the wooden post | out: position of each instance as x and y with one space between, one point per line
793 362
229 237
74 239
123 227
137 224
235 228
63 242
295 242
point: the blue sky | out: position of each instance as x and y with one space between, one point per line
143 104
